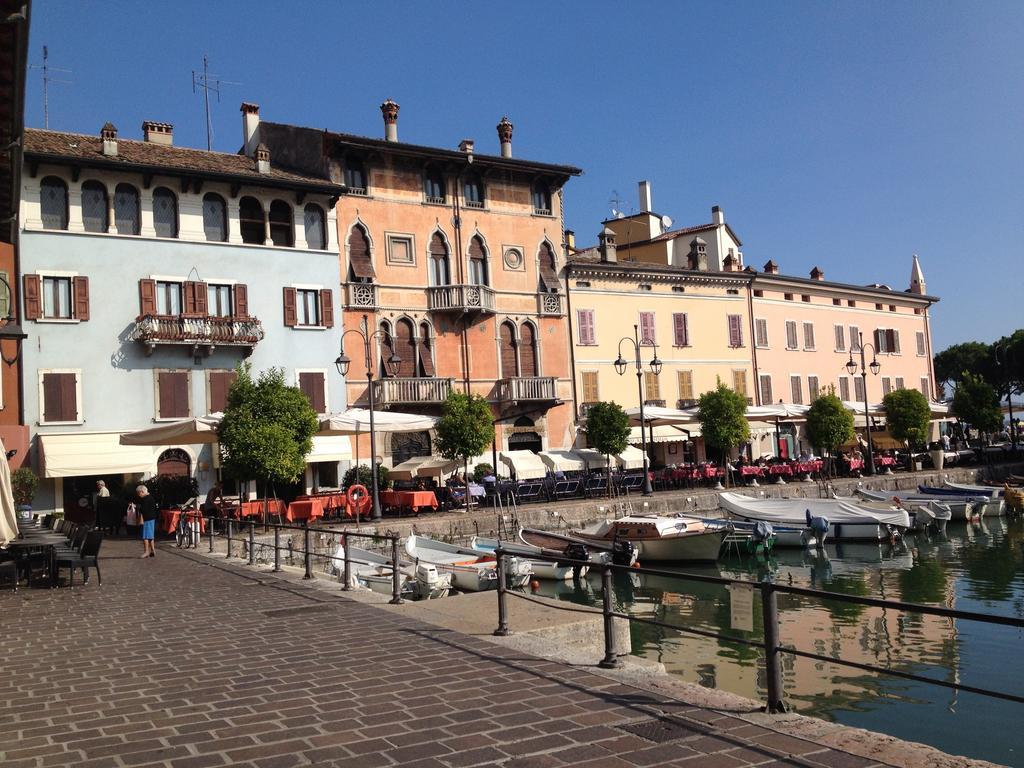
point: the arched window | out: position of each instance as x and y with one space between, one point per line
405 346
360 261
541 198
548 268
165 212
355 176
477 262
408 445
507 343
282 225
316 232
387 349
174 462
527 350
53 202
440 274
215 218
433 186
426 351
94 207
473 190
126 209
250 221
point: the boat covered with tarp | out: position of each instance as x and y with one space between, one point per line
846 520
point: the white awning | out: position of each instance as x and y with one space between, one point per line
525 464
631 458
593 458
93 453
666 433
201 430
407 469
329 448
655 415
563 461
356 421
435 466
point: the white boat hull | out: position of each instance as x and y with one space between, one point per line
694 547
847 521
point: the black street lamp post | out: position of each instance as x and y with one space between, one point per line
1003 351
10 329
392 363
620 367
851 367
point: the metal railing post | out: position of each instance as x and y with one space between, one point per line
252 542
347 574
229 539
308 554
772 658
277 548
212 519
502 630
610 660
396 574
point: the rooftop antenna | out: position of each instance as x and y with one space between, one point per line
47 69
616 203
208 83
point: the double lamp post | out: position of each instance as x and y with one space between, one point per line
874 367
655 366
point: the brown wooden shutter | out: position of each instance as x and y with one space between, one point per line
586 324
60 402
202 300
387 349
527 351
405 344
51 397
680 329
147 297
80 297
327 308
33 301
735 331
290 315
590 394
188 291
68 397
426 359
548 274
685 379
647 328
220 383
173 386
652 386
241 300
508 351
359 258
312 386
739 382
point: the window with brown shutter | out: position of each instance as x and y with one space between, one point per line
766 389
585 327
426 353
796 384
589 380
735 331
791 340
761 332
312 385
548 270
220 384
813 389
507 345
195 298
172 390
652 386
147 297
359 259
527 351
327 308
405 346
647 328
685 379
739 382
33 301
241 300
60 397
290 315
387 349
680 329
80 290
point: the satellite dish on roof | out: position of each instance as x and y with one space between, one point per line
615 214
666 221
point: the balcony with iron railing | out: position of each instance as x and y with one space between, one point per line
361 296
525 388
460 298
411 391
201 332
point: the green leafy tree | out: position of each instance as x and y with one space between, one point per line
952 364
267 428
723 419
907 414
829 423
482 470
976 403
23 485
361 475
608 431
465 429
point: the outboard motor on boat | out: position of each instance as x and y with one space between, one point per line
623 553
819 526
763 531
576 551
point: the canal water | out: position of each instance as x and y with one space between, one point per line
977 566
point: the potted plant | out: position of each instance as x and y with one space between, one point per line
23 486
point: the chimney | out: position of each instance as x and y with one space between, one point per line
262 155
817 274
505 136
729 264
771 268
570 239
645 197
606 246
390 111
109 135
698 258
717 216
250 126
158 133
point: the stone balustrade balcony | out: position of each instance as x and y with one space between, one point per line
411 391
202 333
519 389
460 298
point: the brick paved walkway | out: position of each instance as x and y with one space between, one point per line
175 662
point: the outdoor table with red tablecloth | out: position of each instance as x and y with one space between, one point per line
305 509
780 469
751 471
169 519
885 461
254 508
809 467
415 500
856 464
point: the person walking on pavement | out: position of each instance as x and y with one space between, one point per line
146 506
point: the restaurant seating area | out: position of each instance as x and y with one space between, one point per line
48 547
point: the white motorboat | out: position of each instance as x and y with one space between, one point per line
991 491
960 507
374 571
847 521
541 569
782 536
660 538
616 552
924 513
471 570
993 502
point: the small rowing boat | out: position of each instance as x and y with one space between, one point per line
541 569
669 539
471 570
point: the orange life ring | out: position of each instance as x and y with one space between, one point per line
356 500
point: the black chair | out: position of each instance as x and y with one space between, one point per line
529 490
631 482
596 484
9 573
567 488
87 557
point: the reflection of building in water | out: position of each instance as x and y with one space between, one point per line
861 634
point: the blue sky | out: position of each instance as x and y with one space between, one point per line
844 135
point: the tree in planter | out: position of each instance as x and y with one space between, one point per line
608 432
267 429
829 424
976 403
24 483
723 419
361 475
465 429
482 470
907 414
